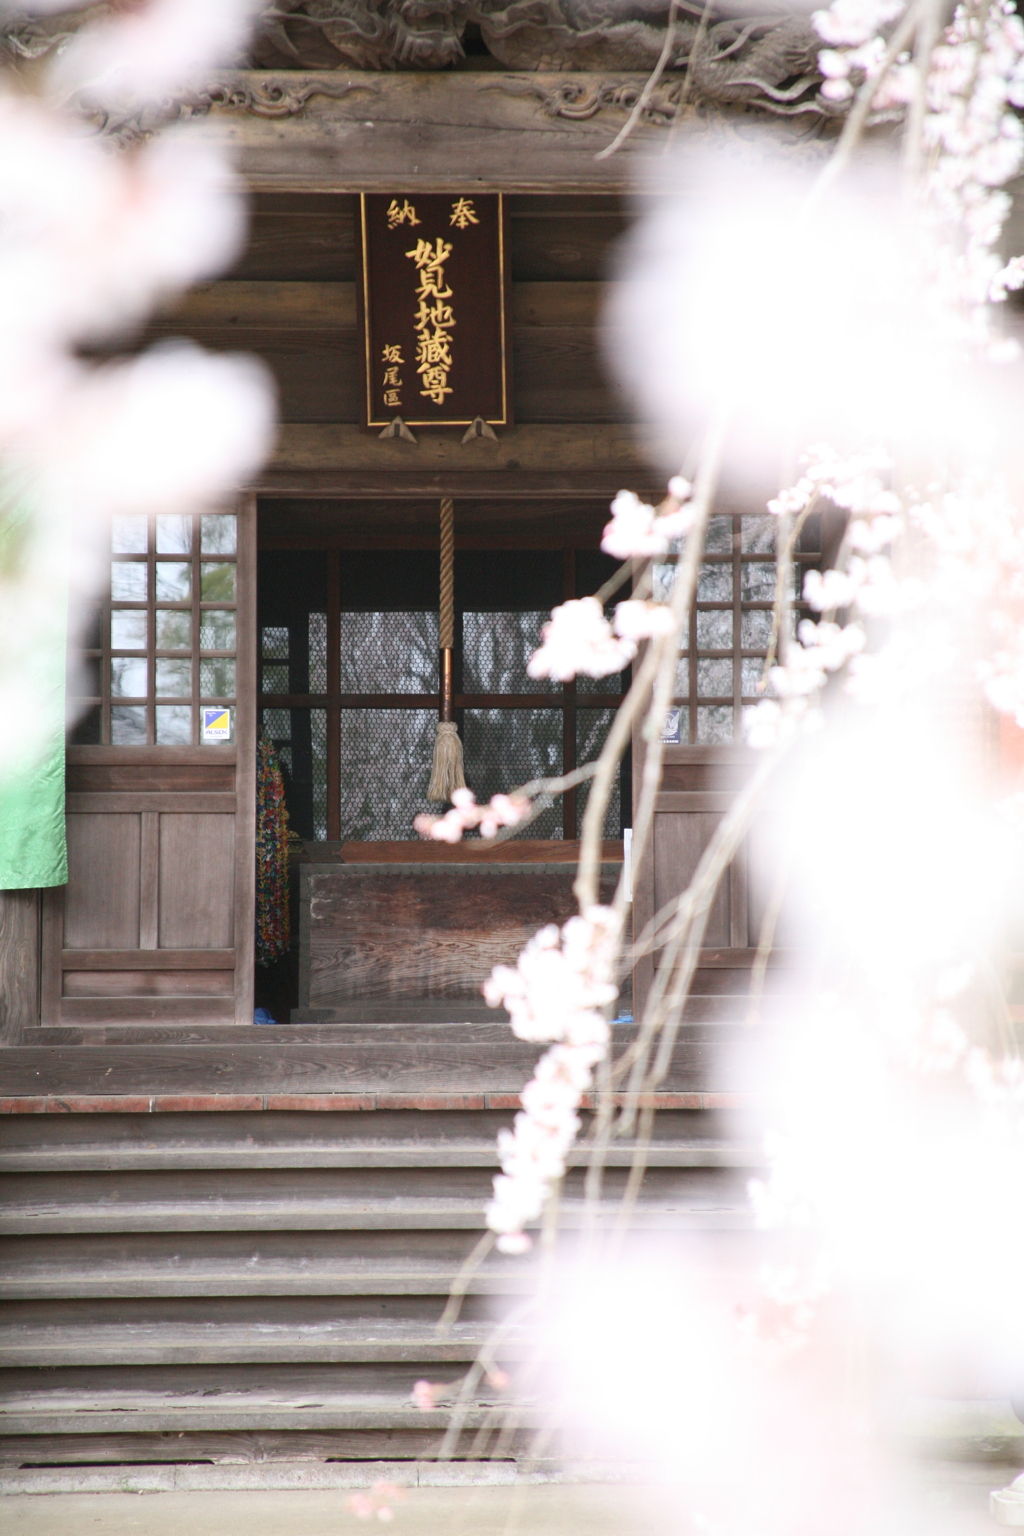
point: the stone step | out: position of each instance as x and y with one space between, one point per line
140 1400
239 1332
467 1152
152 1264
312 1199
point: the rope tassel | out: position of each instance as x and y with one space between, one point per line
446 774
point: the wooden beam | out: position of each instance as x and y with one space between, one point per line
19 963
575 459
325 307
332 131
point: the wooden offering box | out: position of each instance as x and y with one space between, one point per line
410 931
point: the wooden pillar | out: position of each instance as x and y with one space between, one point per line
19 963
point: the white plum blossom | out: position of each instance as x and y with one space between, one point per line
561 985
636 620
579 639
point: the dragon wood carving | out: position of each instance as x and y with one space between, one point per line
761 62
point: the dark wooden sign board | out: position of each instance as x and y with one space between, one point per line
432 309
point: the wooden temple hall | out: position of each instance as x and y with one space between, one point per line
245 1147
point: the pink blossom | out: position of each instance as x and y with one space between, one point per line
465 814
638 531
557 991
643 621
425 1394
579 639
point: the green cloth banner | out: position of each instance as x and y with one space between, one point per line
33 844
33 848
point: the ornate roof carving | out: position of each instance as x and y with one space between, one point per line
765 62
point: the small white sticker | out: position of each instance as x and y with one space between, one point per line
216 723
670 731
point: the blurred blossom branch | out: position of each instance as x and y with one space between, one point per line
91 240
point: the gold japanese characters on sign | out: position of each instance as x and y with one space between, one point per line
433 309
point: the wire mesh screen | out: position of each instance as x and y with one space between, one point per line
592 726
300 737
388 652
496 648
507 747
318 653
385 769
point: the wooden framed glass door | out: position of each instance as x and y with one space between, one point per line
155 923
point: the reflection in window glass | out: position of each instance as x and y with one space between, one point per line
128 629
173 678
218 582
714 584
129 581
174 535
714 678
759 535
385 769
128 676
592 726
758 582
714 724
756 629
275 641
388 653
128 536
752 673
217 678
506 747
173 725
718 540
218 534
173 581
714 631
128 725
217 629
173 629
496 648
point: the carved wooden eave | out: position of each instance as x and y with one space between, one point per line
294 131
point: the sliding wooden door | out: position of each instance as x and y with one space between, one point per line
156 921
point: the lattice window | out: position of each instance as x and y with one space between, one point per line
163 666
731 625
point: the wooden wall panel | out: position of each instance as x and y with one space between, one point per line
101 911
380 932
679 841
298 237
197 855
138 983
